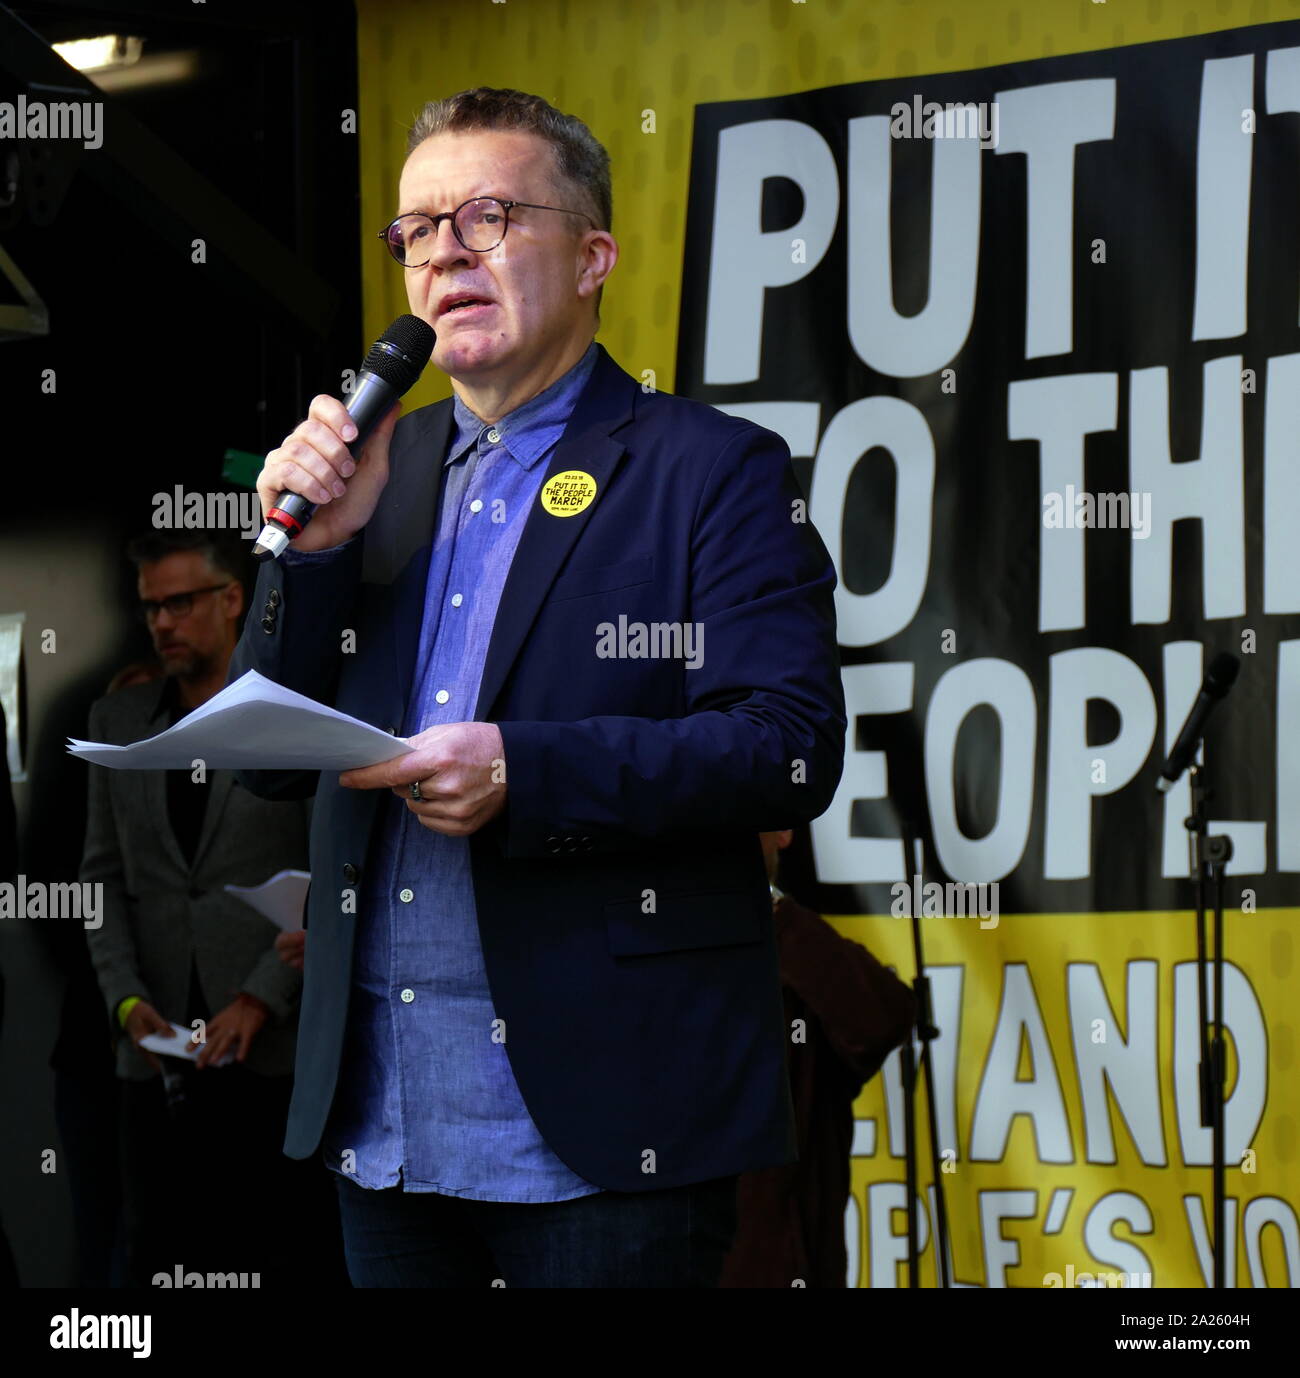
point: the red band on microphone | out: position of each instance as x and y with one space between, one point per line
291 524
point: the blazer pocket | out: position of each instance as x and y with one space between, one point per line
575 583
682 923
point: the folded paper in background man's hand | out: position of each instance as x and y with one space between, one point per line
280 899
181 1044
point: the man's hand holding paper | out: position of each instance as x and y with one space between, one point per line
459 771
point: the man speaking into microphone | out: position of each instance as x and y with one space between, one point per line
541 1030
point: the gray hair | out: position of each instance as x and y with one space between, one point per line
579 158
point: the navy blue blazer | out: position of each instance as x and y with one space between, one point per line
621 895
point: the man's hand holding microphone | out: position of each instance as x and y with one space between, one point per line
314 462
318 488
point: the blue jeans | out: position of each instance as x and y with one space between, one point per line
677 1237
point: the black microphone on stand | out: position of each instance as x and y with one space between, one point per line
395 361
1219 678
1209 859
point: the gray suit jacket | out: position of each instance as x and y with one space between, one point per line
157 911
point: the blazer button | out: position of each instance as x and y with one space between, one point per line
349 872
273 598
552 845
570 844
586 843
268 623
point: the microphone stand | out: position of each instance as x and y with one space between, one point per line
926 1032
1209 856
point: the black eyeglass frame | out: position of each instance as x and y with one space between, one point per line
149 608
436 221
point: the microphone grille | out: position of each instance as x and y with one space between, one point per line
401 352
1222 674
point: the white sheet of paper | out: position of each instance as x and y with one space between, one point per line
182 1046
254 724
279 899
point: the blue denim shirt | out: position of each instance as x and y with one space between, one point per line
426 1096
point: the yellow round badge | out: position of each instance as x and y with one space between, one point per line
567 494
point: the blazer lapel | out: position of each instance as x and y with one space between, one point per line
219 786
154 784
402 525
605 405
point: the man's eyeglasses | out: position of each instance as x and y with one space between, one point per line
177 604
479 224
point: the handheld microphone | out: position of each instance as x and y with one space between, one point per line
1219 678
395 361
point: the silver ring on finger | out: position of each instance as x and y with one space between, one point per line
415 790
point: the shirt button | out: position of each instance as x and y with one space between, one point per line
494 435
406 896
476 505
407 996
442 696
457 599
